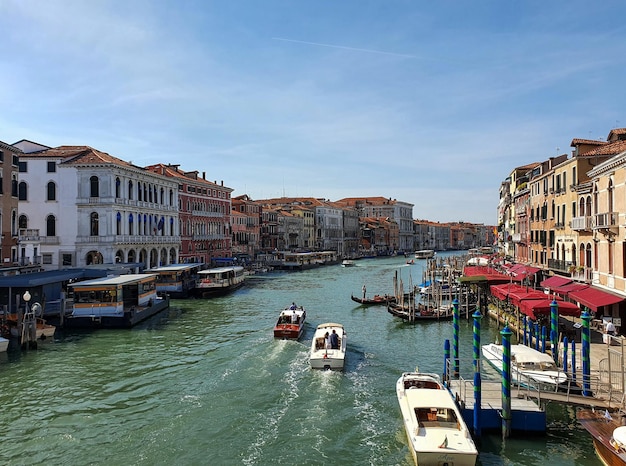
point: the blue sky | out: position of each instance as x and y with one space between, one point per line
432 103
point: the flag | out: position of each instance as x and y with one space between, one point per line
161 224
444 443
607 415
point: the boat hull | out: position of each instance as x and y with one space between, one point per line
434 426
128 319
328 358
601 428
288 331
550 380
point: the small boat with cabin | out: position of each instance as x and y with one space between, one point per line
529 367
434 425
219 281
176 280
425 254
290 323
327 351
114 302
348 263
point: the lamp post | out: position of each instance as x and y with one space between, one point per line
28 323
26 297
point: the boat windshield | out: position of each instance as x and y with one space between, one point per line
437 417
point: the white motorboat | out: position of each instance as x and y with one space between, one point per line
325 354
425 254
434 425
348 263
529 367
4 344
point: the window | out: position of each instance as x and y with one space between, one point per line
52 167
23 167
46 258
94 185
14 185
51 225
51 194
93 224
22 222
118 223
1 156
1 182
118 184
66 259
22 191
130 191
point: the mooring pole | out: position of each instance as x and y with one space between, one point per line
455 336
506 382
477 379
586 349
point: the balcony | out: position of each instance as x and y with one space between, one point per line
28 234
582 223
606 221
559 265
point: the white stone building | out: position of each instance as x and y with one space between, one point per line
82 206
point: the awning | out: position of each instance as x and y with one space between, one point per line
595 298
518 297
535 307
568 288
506 289
555 281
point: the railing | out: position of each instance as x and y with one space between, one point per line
560 265
582 223
606 220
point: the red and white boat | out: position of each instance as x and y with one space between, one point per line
290 323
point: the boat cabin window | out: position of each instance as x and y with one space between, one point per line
97 296
431 384
437 417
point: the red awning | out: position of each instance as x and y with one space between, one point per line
595 298
566 289
555 281
506 289
535 307
518 297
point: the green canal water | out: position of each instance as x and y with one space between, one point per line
205 383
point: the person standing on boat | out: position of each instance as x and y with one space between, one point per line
334 340
294 316
293 306
326 341
364 291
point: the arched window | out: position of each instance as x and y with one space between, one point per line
139 191
22 222
22 191
51 225
130 190
14 185
51 194
162 201
118 223
131 226
94 187
610 195
118 187
93 224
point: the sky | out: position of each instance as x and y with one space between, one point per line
430 103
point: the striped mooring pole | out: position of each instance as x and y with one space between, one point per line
477 379
455 336
506 382
586 350
554 330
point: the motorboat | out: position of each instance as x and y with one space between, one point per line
529 367
425 254
607 432
348 263
325 355
434 425
4 344
290 323
219 280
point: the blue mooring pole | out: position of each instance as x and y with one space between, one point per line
543 339
525 323
506 382
477 380
574 361
554 330
446 359
586 349
455 336
565 355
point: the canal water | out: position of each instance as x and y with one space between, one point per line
205 383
